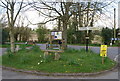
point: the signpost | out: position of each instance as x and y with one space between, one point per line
55 36
103 52
87 37
89 28
115 38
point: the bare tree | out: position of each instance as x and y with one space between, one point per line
3 22
12 14
63 14
62 11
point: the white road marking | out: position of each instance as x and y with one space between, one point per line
115 59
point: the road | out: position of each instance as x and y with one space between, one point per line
112 53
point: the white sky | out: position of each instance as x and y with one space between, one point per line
105 20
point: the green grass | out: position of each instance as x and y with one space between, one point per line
71 61
8 45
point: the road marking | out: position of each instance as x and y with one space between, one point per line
115 59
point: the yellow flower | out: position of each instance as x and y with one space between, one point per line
78 59
40 55
66 71
41 61
64 65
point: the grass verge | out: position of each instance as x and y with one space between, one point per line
8 45
71 61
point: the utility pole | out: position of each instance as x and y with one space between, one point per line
114 25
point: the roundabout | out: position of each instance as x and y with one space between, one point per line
72 63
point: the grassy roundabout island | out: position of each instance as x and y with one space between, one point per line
71 61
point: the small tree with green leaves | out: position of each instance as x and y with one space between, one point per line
42 33
106 35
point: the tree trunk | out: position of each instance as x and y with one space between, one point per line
59 24
65 34
20 37
12 41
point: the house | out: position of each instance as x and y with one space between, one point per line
33 36
97 40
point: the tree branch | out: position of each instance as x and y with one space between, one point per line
36 8
18 11
5 5
50 20
62 8
8 14
52 8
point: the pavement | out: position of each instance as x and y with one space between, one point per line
112 53
6 74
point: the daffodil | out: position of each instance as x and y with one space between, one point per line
40 55
38 63
78 59
41 61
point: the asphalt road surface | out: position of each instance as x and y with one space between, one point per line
112 53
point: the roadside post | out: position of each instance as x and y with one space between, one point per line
87 37
103 52
87 42
17 48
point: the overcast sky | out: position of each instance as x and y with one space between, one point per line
106 19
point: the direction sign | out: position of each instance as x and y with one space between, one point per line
89 28
115 38
118 38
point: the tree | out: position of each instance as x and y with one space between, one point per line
107 34
12 14
23 33
63 14
62 11
42 33
71 33
4 34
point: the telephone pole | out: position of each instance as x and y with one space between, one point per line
114 25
